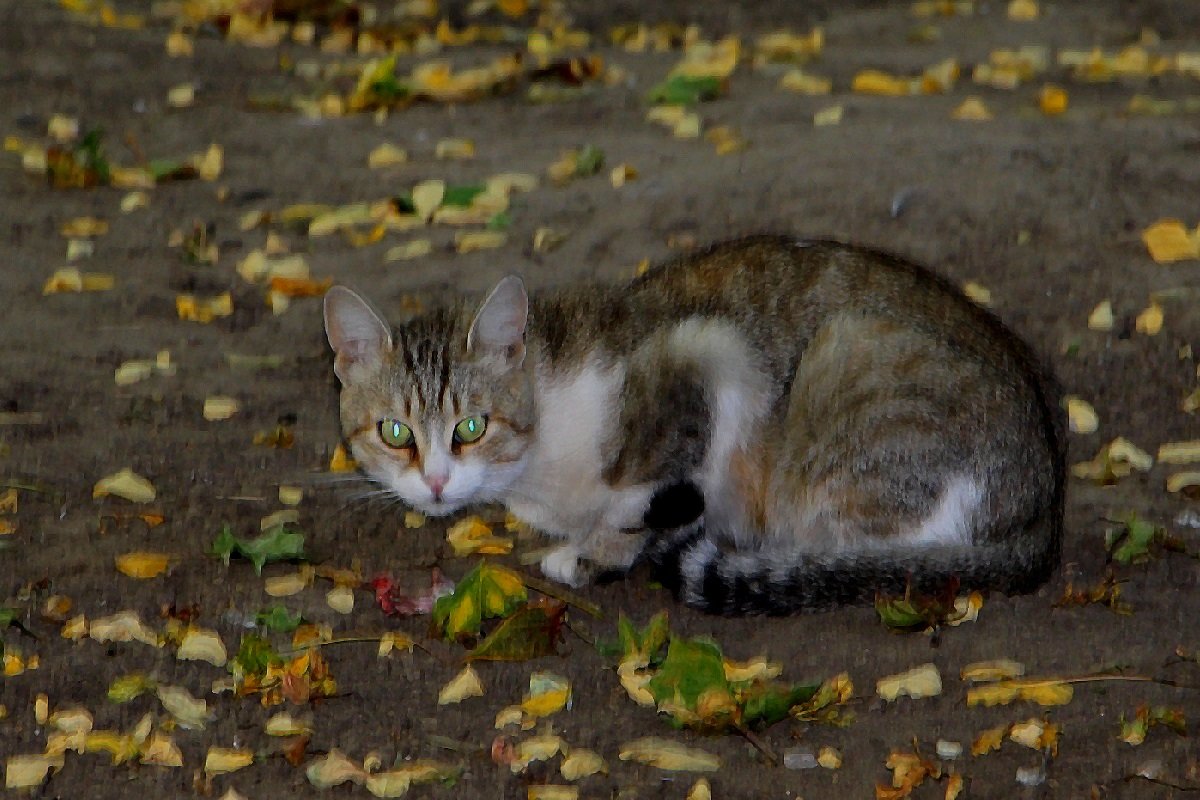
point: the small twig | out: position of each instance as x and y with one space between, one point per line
759 745
1156 781
571 599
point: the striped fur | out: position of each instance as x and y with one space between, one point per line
781 425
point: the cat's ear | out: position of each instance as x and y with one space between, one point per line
498 330
356 333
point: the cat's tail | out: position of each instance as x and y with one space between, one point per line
719 581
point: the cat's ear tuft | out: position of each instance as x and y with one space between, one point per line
499 327
358 336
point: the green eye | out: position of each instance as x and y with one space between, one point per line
395 433
469 430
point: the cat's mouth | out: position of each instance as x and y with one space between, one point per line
439 508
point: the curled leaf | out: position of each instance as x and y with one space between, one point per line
668 754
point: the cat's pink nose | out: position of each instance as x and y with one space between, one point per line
436 484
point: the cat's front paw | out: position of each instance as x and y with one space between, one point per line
566 564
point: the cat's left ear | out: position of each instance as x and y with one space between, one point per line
356 333
498 330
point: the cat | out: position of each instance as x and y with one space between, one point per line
784 425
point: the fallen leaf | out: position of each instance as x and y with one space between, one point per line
84 228
1186 482
1150 320
278 544
796 80
416 248
1044 692
1101 318
194 309
202 644
455 149
549 791
127 484
1114 460
472 535
462 686
189 712
667 754
1134 731
581 763
687 90
334 769
70 279
918 682
829 758
143 565
341 461
386 155
340 599
972 109
1052 100
222 760
1168 240
470 241
988 671
832 115
1081 417
531 631
29 771
1179 452
700 790
486 591
978 293
124 626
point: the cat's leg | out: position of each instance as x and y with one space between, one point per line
579 562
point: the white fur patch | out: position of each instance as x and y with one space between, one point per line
739 392
692 566
952 519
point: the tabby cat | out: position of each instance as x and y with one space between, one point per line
782 424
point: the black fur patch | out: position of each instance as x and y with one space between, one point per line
674 506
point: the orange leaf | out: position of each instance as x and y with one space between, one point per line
300 287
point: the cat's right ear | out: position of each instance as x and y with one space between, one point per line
358 336
498 331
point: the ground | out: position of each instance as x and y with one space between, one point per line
1044 211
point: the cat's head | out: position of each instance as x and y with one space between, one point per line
440 412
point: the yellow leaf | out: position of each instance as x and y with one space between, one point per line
341 461
550 791
126 484
1179 452
700 790
535 748
1168 240
340 599
188 711
796 80
427 196
1081 417
978 293
124 626
954 787
972 109
989 740
210 163
470 241
417 248
622 174
828 116
386 155
988 671
284 724
1150 321
143 565
71 720
1101 318
758 668
463 685
688 126
1046 692
70 279
547 703
473 535
395 640
1023 10
84 228
161 751
581 763
193 309
1115 460
182 95
202 644
918 682
829 758
179 45
871 81
670 755
1180 481
455 149
28 771
334 769
1052 100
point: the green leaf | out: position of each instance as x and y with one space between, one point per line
462 195
644 643
765 704
691 668
1131 544
277 544
589 161
686 90
276 618
499 221
9 615
128 687
533 630
166 169
916 611
485 592
254 655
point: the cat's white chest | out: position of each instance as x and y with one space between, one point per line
561 491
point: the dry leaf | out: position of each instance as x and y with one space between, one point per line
620 175
290 584
284 724
182 95
143 565
28 771
457 149
829 758
340 599
581 763
195 309
334 769
126 484
341 461
1044 692
84 228
290 495
550 791
796 80
1150 321
188 711
1183 481
71 720
70 279
972 109
473 535
535 748
386 155
1081 417
1101 318
1052 100
918 682
463 685
222 760
988 671
700 790
1023 10
160 750
416 248
828 116
1169 240
202 644
1114 460
426 197
470 241
978 293
668 754
219 407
